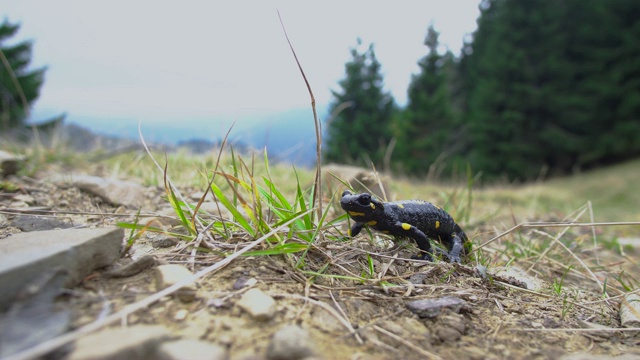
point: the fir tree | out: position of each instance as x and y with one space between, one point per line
19 87
427 127
358 131
553 86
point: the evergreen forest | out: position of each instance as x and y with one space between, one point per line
542 88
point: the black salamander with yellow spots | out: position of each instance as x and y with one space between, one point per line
419 220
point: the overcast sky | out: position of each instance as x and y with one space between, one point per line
161 61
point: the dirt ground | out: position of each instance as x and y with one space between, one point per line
500 320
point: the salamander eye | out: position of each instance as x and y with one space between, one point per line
364 199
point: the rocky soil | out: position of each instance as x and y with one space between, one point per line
264 307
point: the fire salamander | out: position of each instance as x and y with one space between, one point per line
419 220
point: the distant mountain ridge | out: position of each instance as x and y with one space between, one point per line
288 136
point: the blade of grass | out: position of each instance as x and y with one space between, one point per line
173 200
317 196
278 250
136 226
232 209
213 176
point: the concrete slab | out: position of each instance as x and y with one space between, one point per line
25 256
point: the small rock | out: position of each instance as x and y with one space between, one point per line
244 281
167 275
191 349
24 256
137 342
18 205
181 315
24 198
163 241
629 310
414 326
431 308
28 223
326 322
417 279
290 343
536 325
10 163
116 192
257 304
520 275
133 267
454 321
481 271
448 334
216 302
550 323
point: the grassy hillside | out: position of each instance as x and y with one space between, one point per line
612 191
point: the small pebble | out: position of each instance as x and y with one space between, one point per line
257 304
290 343
167 275
181 315
430 308
191 349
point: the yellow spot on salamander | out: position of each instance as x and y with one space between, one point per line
385 231
355 213
437 224
400 206
372 223
373 206
406 226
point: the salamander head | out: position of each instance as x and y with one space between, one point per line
361 207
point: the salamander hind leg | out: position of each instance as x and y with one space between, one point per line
456 248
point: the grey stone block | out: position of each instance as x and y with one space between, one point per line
25 256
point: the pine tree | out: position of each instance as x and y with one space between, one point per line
515 70
604 48
358 131
427 128
19 87
553 85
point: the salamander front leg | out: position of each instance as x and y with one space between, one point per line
355 229
421 240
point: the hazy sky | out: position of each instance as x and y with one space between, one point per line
161 61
